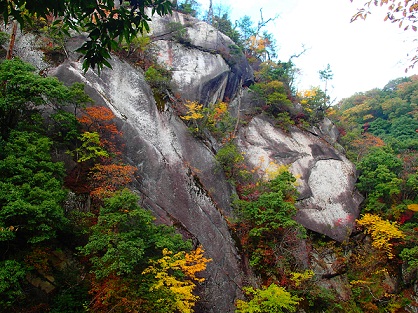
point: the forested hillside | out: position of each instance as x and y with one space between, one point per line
77 233
379 130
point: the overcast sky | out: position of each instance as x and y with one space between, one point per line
362 55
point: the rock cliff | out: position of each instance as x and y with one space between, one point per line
178 178
328 202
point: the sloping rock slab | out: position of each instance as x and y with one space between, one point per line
328 202
177 176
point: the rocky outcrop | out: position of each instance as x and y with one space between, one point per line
330 272
177 176
207 65
328 202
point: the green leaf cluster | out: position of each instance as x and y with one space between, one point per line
228 158
271 299
273 96
90 147
389 113
31 188
378 178
273 209
106 22
24 93
410 256
125 237
11 274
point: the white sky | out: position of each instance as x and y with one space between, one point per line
362 55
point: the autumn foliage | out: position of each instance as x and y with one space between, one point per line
181 286
100 119
107 178
383 232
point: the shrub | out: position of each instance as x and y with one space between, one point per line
228 158
381 231
268 299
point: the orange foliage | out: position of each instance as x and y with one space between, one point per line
96 114
258 46
111 293
100 120
219 111
364 143
413 207
107 178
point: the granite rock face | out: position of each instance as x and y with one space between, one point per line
328 202
177 176
206 66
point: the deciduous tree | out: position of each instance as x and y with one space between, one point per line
177 273
125 237
31 189
271 299
383 232
106 22
403 13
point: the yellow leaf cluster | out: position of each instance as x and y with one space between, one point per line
359 109
413 207
359 282
309 93
218 112
381 231
195 263
274 85
257 45
182 286
368 117
299 278
194 111
273 170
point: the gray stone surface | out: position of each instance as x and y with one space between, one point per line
177 176
206 67
328 202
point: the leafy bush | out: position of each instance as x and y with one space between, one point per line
267 300
381 231
410 256
159 79
12 274
273 209
179 33
215 118
378 178
125 237
228 157
31 189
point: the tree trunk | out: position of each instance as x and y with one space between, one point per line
12 41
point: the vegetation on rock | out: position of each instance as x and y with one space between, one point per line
78 237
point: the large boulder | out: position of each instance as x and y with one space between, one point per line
207 65
328 201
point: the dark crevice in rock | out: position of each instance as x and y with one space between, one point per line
322 152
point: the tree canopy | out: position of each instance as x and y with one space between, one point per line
106 22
